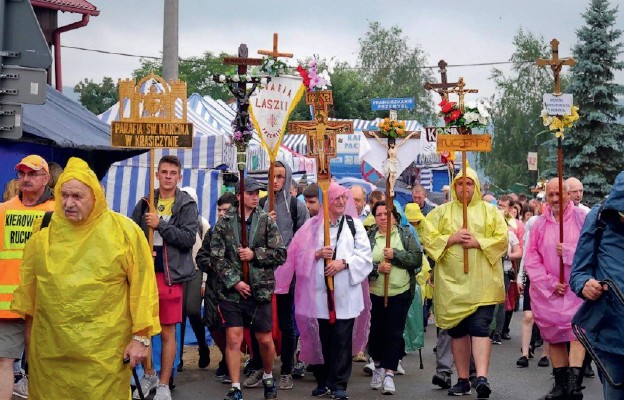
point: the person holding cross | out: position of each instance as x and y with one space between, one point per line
465 302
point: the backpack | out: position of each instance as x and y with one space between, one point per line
293 210
47 217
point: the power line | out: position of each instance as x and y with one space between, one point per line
482 64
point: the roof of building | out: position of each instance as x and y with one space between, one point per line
74 6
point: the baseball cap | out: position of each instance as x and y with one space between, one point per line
413 213
34 162
251 185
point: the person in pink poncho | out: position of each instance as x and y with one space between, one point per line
330 346
552 301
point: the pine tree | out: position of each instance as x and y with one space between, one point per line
592 149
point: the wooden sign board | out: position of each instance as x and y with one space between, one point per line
481 143
152 134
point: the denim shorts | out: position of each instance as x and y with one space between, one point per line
476 324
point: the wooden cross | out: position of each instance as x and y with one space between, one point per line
239 90
463 142
321 141
391 177
274 53
556 64
444 86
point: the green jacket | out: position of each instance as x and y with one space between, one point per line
409 259
269 252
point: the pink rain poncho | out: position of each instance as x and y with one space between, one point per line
301 261
553 313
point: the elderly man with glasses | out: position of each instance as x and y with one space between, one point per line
16 221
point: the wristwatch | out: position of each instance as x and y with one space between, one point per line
345 263
144 340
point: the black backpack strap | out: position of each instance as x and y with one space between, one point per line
262 202
351 224
600 228
293 213
47 217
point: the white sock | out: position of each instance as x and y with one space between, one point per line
236 385
389 373
267 376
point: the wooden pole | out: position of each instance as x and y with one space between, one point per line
150 235
270 186
329 280
243 220
389 208
465 205
561 205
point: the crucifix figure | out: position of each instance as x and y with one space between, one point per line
241 93
556 64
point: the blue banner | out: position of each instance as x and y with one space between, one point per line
403 103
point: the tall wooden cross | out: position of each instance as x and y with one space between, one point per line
390 173
274 54
242 121
444 85
463 142
321 144
556 64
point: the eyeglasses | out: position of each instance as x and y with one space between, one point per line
30 174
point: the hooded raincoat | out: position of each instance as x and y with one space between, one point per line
457 294
553 313
88 287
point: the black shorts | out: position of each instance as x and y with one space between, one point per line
476 324
247 313
526 299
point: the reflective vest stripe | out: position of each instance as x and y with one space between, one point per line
7 289
11 255
5 305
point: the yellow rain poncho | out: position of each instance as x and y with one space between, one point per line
457 295
88 286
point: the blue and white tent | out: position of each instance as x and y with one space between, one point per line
127 181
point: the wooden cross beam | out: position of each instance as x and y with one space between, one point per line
556 64
444 86
461 92
274 53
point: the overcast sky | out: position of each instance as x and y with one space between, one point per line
461 32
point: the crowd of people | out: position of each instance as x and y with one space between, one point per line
82 293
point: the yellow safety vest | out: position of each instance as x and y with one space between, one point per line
16 221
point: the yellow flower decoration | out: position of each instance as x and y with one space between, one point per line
560 123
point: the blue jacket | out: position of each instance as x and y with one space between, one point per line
610 253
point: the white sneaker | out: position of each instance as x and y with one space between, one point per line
148 383
20 389
377 380
388 385
400 370
370 367
162 393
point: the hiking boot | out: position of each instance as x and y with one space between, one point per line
388 385
560 389
299 370
254 379
162 393
505 336
442 379
204 357
147 383
340 394
496 338
377 379
522 362
221 371
234 394
370 367
483 388
575 384
589 372
270 390
321 391
20 389
461 388
543 362
400 370
285 382
360 357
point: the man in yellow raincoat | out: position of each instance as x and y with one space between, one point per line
464 302
88 294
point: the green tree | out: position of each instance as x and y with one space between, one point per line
593 147
393 69
97 97
197 72
515 113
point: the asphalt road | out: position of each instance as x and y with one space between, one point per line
508 382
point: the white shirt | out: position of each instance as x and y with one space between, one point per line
348 296
513 241
584 208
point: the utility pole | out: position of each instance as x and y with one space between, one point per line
170 40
